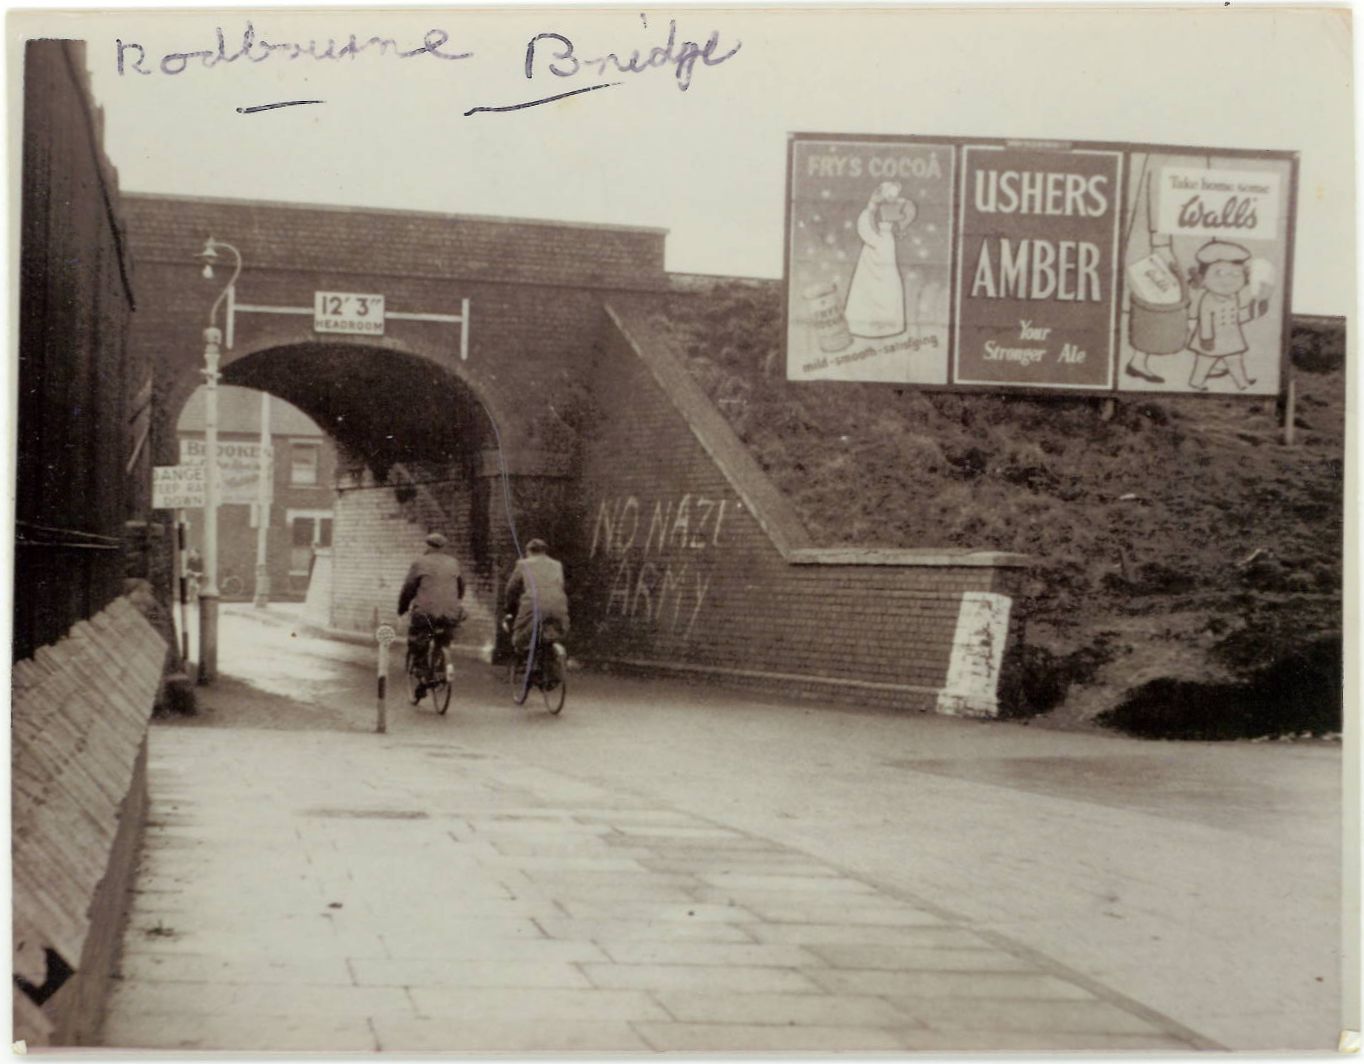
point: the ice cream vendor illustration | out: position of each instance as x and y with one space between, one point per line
1207 273
1235 290
875 306
1225 289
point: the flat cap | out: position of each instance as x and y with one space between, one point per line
435 539
1221 251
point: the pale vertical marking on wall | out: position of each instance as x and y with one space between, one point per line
972 686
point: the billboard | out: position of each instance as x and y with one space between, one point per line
1081 268
239 467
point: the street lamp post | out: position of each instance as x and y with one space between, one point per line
264 496
208 595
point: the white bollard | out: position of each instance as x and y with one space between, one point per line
385 635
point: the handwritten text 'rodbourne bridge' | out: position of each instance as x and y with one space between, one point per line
549 51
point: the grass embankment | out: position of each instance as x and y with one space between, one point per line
1179 543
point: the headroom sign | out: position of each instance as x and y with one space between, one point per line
1090 268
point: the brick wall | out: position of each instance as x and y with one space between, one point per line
533 290
680 551
408 397
380 528
374 541
687 559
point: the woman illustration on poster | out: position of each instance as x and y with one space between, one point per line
876 296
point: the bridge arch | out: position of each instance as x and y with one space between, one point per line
383 405
416 452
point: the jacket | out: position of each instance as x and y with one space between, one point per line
434 586
537 579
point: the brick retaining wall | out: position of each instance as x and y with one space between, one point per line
691 561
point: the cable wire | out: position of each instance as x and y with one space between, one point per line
516 542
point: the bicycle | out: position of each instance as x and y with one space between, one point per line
548 672
428 665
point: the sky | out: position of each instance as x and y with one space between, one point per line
708 161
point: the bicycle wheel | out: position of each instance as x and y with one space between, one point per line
555 696
413 672
516 676
232 586
440 674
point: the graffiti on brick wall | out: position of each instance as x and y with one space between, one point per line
662 551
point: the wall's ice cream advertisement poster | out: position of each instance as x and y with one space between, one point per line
869 260
1205 267
1038 249
1080 268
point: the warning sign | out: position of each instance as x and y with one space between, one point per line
177 487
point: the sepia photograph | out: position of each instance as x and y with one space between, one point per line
618 531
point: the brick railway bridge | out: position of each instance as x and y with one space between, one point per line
519 378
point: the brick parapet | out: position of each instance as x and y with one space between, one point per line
369 242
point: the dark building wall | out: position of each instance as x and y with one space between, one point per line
88 665
82 407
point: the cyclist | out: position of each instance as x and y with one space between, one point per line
535 593
433 589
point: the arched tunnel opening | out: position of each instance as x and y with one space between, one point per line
410 440
382 406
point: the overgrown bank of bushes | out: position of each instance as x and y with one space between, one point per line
1178 541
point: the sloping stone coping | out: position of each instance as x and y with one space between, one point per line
78 774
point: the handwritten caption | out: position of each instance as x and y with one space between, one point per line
549 57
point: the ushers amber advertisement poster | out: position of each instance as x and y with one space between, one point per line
1070 267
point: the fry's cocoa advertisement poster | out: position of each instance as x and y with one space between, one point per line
1092 268
869 253
1038 246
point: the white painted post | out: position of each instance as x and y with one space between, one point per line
385 635
180 539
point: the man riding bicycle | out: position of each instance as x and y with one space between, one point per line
536 597
433 589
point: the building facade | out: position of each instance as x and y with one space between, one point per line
302 474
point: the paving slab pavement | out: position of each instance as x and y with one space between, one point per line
1201 879
339 892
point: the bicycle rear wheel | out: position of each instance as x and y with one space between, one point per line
555 696
516 676
440 673
414 678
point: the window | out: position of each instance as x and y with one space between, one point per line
303 462
308 530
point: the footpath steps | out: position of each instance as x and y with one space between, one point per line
343 892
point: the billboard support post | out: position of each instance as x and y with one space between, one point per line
1290 409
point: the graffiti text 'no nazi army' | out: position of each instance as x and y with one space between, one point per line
643 587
